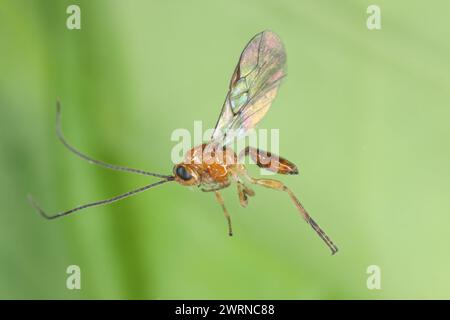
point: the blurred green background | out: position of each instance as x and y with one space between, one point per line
364 114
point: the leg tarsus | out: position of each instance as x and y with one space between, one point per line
225 212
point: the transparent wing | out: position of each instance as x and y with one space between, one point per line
253 87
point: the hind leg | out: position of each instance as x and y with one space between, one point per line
278 185
269 161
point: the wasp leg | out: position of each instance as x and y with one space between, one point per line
244 192
225 212
243 200
278 185
269 161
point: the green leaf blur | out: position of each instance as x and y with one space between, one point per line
364 114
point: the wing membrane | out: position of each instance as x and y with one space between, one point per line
253 87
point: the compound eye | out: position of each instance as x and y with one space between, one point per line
183 173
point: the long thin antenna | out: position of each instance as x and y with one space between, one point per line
91 160
93 204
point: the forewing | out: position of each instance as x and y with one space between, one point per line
253 87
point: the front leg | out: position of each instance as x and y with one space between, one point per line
225 212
